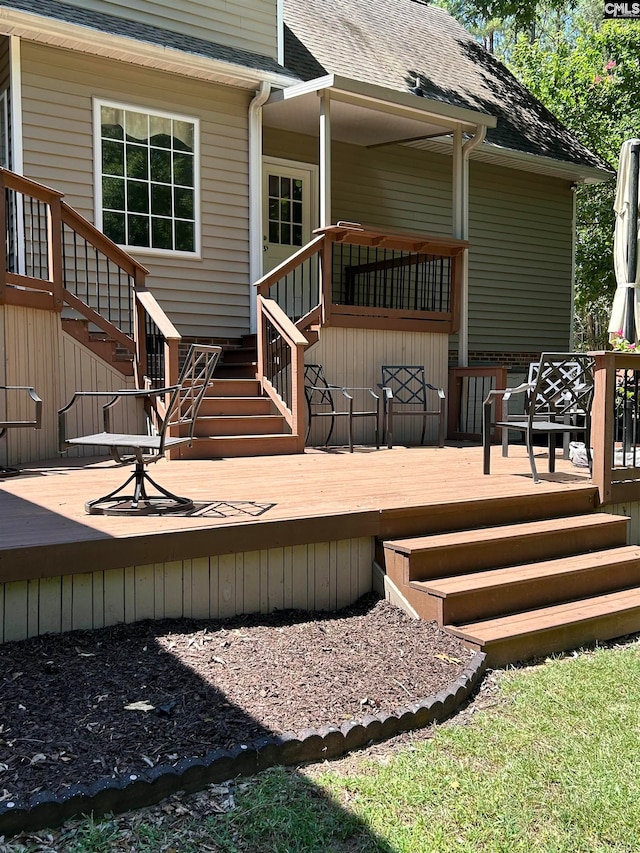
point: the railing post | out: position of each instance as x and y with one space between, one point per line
602 422
4 220
297 395
260 336
54 245
326 285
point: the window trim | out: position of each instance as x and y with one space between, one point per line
98 103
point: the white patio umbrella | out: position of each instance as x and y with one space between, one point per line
625 313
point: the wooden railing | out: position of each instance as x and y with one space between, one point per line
281 349
468 389
53 256
616 426
358 277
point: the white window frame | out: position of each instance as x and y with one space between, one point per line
98 103
4 118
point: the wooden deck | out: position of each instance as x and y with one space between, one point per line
267 502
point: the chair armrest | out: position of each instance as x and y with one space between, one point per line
113 398
345 389
505 393
36 423
387 393
439 390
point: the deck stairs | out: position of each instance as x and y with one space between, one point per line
97 341
553 577
236 418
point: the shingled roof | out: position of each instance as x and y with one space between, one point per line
394 43
144 32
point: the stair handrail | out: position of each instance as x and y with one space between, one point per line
277 356
144 307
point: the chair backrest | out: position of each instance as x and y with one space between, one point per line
407 383
316 387
195 376
563 385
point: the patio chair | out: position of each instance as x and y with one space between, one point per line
570 368
34 423
405 393
321 399
181 412
557 402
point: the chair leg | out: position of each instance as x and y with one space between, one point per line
441 426
552 452
389 424
532 460
486 439
139 503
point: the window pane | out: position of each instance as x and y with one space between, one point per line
137 162
183 135
112 121
185 237
113 193
161 237
296 233
285 211
137 197
113 226
285 232
137 127
274 232
161 200
183 207
296 210
138 230
274 185
274 209
285 187
297 190
112 158
160 166
183 169
160 129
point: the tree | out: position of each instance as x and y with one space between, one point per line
591 85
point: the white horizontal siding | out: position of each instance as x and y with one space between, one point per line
246 24
206 296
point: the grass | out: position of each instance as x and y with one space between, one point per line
552 766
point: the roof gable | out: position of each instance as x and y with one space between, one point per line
395 43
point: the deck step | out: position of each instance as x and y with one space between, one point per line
233 387
488 594
240 445
461 552
554 629
236 406
227 425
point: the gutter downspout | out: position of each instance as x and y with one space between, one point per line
255 196
463 334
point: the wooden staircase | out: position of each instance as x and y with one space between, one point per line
530 587
236 418
98 342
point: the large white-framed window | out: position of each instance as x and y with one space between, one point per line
147 178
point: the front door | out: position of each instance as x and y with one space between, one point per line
288 208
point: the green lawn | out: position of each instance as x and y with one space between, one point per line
553 765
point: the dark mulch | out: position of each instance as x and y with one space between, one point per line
112 702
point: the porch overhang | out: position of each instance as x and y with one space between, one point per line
366 114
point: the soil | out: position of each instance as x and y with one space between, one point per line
112 702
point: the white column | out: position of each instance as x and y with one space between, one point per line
16 148
325 160
256 225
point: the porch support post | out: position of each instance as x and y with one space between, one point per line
256 226
461 153
16 143
325 160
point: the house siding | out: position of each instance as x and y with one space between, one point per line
244 24
206 296
520 233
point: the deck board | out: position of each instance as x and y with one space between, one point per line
315 496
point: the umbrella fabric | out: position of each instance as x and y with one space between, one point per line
622 208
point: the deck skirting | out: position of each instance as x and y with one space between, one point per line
315 576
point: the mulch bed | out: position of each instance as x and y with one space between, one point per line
87 705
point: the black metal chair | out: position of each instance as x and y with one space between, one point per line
181 413
405 393
34 423
321 397
557 402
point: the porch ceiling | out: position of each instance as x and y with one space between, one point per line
367 115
